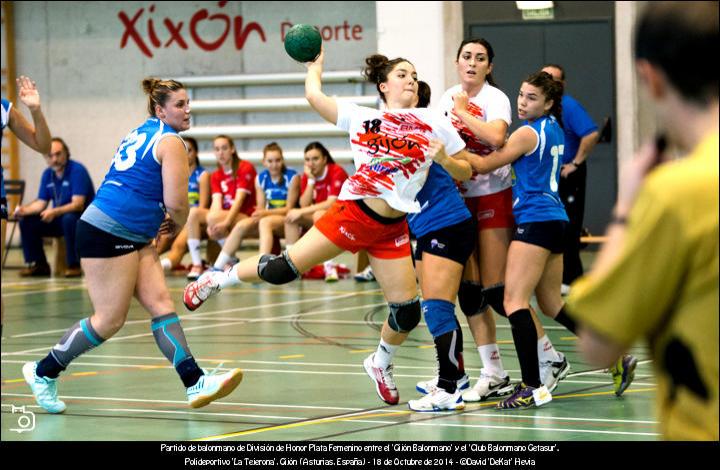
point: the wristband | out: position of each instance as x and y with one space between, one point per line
311 181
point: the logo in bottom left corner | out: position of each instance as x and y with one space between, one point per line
26 419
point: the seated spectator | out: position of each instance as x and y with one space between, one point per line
68 185
277 189
233 199
319 188
198 196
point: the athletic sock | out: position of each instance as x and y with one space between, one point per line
450 359
491 360
170 338
221 242
525 339
194 249
546 350
166 264
79 339
566 321
384 354
222 259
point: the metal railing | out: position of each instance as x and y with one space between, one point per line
269 104
268 79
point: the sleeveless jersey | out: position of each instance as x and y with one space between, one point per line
488 105
132 192
536 175
390 152
194 186
440 203
276 194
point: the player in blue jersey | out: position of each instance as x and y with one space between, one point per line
278 190
144 192
36 136
534 261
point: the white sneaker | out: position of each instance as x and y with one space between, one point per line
44 389
488 386
199 291
366 275
553 372
438 400
211 387
331 275
383 379
463 383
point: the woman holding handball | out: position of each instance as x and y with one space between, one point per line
393 150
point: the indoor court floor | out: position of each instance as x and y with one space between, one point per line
301 348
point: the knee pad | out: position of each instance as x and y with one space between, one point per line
277 269
405 316
439 316
471 298
495 296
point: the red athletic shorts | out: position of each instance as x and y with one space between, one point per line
493 210
353 226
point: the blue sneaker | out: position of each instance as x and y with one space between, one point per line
623 373
44 389
212 387
524 397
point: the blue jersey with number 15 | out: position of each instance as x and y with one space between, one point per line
132 192
535 175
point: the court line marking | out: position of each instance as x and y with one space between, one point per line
203 327
563 418
189 315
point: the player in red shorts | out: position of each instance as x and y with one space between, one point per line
393 149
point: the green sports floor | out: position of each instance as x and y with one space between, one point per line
301 349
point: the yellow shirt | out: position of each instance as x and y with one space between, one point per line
664 287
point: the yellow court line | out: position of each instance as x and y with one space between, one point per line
290 292
293 356
426 346
505 341
568 338
79 374
358 351
12 381
378 415
302 423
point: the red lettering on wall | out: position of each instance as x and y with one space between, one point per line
340 32
204 15
131 32
241 33
175 35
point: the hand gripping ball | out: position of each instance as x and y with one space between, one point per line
303 42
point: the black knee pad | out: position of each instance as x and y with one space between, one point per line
494 296
277 269
471 298
405 316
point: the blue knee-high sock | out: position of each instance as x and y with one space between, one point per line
80 338
447 335
170 338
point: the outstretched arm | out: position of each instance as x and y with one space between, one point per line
520 142
320 102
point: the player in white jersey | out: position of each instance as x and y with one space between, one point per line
393 149
481 114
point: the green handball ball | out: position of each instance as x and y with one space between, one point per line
303 42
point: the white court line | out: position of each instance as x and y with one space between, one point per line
188 316
514 428
42 281
560 418
361 412
28 292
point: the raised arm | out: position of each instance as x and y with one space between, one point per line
37 135
320 102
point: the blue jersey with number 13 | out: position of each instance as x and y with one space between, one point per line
132 192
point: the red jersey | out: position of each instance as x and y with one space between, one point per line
227 186
329 185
